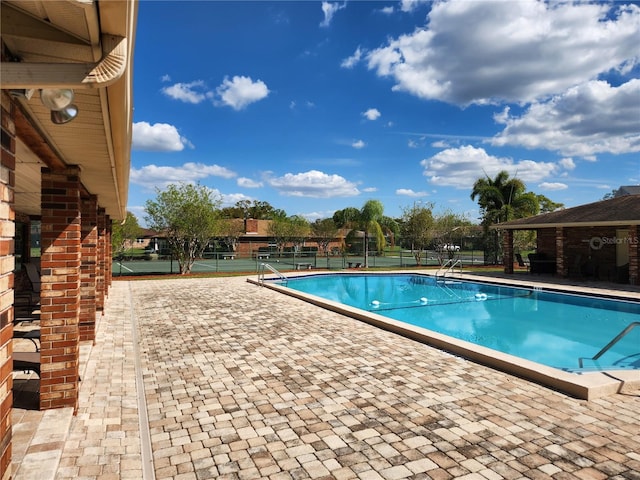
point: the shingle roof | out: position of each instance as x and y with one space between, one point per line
618 211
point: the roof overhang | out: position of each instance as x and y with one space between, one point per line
621 211
535 226
86 45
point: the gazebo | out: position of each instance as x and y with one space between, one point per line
598 240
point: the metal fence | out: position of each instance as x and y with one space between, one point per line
230 262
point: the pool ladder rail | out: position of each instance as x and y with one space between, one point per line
449 267
618 337
265 266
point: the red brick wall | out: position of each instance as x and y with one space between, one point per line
60 288
7 183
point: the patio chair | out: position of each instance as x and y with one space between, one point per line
33 335
26 361
521 261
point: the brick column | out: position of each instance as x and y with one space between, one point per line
101 262
7 262
634 254
108 260
507 248
60 288
562 266
88 266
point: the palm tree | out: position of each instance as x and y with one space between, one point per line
502 199
370 217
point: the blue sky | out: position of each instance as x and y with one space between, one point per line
317 106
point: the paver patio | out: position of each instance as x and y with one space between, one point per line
244 383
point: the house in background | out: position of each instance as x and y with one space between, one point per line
66 98
600 240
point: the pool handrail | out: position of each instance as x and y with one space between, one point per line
617 338
451 264
261 269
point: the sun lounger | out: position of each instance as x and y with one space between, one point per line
26 361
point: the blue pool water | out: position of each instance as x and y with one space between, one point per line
549 328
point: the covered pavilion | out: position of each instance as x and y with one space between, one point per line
598 240
66 98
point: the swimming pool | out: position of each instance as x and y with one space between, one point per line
552 329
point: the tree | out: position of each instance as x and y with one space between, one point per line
370 216
230 230
547 205
186 214
252 209
299 230
449 228
346 218
417 225
324 231
278 229
124 233
294 229
502 199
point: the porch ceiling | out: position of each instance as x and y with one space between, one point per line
88 46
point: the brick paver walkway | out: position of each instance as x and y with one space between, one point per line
244 383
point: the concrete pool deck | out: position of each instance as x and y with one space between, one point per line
241 382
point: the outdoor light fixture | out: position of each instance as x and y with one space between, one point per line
59 101
65 115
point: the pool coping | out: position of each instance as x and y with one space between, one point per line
583 385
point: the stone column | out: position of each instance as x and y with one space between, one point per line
60 288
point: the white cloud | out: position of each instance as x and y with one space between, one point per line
588 119
567 163
371 114
407 192
230 199
411 5
314 184
329 9
517 51
159 137
554 186
151 176
187 92
248 183
369 189
353 60
239 92
387 10
358 144
461 167
165 78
